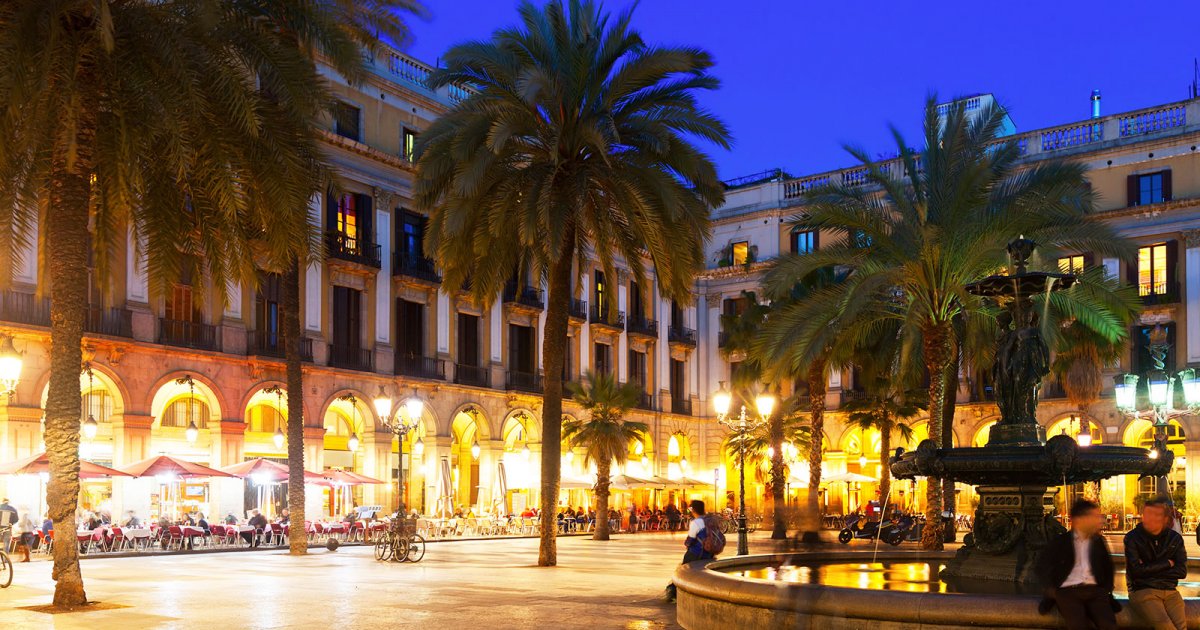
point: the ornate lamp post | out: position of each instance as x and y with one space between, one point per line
10 366
742 425
400 425
1160 390
192 431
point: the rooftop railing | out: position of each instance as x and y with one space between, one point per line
397 66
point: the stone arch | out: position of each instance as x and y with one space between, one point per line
529 421
167 389
1073 422
104 378
481 419
366 415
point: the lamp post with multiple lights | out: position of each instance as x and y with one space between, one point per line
400 422
1160 394
742 426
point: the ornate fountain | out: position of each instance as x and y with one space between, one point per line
1017 473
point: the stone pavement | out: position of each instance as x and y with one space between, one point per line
459 585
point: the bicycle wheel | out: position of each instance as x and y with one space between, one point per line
399 549
416 548
383 550
6 570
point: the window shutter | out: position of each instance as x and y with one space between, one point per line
816 239
1131 272
366 218
1089 260
1131 186
1166 185
1172 263
331 209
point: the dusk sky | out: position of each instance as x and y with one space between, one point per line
800 79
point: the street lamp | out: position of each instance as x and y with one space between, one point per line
89 426
400 424
1160 393
278 391
742 426
10 366
352 443
192 431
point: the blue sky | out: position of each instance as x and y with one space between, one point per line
800 79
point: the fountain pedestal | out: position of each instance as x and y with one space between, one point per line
1012 526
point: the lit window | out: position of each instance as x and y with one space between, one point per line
741 253
804 242
408 144
1152 270
1071 264
265 419
347 217
178 414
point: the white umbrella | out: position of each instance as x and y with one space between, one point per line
628 482
576 483
848 477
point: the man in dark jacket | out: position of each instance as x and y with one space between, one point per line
1077 570
1155 561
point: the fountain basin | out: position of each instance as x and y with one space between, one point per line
714 595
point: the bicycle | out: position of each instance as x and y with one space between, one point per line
6 565
401 543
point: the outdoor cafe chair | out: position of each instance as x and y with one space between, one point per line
118 539
174 537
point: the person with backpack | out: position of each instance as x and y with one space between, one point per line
704 540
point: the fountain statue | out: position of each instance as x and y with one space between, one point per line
1017 473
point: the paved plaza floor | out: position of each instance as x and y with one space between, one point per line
470 584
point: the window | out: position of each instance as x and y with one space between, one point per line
678 380
265 419
408 144
601 294
1153 270
1071 264
266 308
740 253
412 234
521 350
603 359
346 120
468 339
347 216
637 368
676 315
177 413
347 317
410 318
803 242
635 301
100 403
1148 188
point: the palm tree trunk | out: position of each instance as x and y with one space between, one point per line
603 472
553 354
949 402
67 238
937 351
816 392
885 471
297 537
778 479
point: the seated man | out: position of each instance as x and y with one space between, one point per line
1078 572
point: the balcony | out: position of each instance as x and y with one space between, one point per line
608 318
24 308
265 343
420 367
645 327
681 406
185 334
679 334
525 296
353 249
407 264
1157 293
578 310
1052 389
115 322
472 375
645 401
351 358
524 382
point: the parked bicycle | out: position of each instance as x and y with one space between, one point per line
6 566
401 542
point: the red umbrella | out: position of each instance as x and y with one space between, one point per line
40 463
167 465
347 478
267 469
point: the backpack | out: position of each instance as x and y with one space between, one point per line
714 539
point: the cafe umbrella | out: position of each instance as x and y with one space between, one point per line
169 471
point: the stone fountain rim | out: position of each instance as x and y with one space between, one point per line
703 585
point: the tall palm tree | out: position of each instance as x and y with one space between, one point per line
761 449
345 30
885 407
189 125
577 143
941 223
605 435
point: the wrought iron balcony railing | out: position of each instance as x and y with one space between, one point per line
354 249
420 366
186 334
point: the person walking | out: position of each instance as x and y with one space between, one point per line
1155 561
25 529
8 518
1077 570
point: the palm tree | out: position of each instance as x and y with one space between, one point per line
189 125
347 29
761 450
577 143
606 435
942 222
884 408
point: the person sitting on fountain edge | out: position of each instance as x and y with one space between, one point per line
1155 561
1077 570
